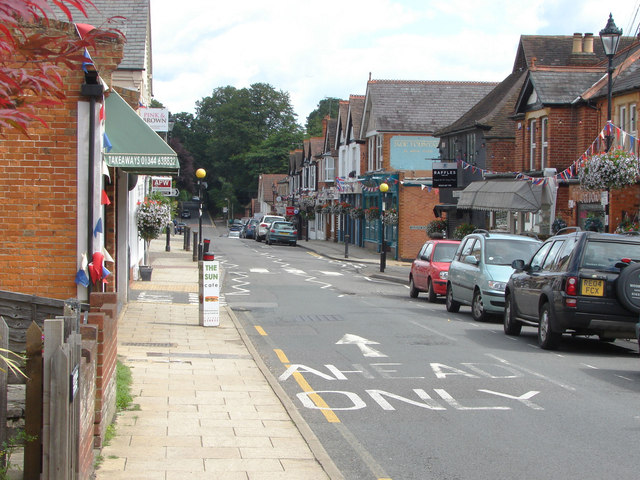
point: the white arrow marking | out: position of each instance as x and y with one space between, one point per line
362 344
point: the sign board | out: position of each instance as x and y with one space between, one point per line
156 118
209 293
290 211
445 175
162 185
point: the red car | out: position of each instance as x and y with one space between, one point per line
430 268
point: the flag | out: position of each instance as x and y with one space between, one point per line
105 199
98 227
107 257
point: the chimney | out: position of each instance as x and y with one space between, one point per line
588 43
577 43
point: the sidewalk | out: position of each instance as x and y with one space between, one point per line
208 407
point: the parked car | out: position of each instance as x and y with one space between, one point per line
265 223
179 227
249 229
281 232
235 227
186 214
430 268
481 268
573 284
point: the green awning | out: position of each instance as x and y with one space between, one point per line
136 148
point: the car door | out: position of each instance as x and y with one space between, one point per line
527 286
423 266
467 272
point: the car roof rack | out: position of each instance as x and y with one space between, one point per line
530 234
568 230
482 231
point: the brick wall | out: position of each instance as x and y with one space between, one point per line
38 189
416 209
103 314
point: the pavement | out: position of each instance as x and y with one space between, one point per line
206 406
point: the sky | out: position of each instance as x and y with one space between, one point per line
318 49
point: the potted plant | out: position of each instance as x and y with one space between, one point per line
593 223
463 230
437 226
558 224
628 225
152 217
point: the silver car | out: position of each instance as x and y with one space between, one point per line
265 223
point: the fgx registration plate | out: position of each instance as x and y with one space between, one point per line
592 287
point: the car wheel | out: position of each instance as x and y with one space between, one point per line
606 339
477 307
293 244
511 325
413 291
547 338
451 305
431 294
268 241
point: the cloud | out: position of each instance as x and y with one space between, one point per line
317 50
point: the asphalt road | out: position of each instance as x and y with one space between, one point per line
397 388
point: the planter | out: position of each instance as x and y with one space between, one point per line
145 273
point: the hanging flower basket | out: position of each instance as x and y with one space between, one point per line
307 203
152 217
372 213
558 224
436 226
390 217
327 209
612 170
342 207
356 213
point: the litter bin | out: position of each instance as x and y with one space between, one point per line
208 256
206 243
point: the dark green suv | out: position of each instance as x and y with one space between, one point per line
573 283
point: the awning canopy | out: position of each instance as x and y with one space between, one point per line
136 148
501 195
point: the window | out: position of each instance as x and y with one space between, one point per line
532 145
379 152
428 251
544 142
538 258
451 148
622 117
329 174
476 251
371 150
466 250
551 259
312 177
471 149
633 127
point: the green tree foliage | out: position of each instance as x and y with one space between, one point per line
237 134
328 106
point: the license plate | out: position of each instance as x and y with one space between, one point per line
592 288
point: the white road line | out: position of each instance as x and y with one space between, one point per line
532 372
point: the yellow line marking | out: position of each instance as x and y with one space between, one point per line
315 398
261 331
281 356
314 254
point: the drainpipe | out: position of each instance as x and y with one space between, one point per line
93 89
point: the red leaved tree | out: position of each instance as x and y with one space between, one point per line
36 82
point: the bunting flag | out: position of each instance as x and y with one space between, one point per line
98 227
105 199
89 61
83 29
107 257
82 278
96 267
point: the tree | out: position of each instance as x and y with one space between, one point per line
327 106
237 134
38 81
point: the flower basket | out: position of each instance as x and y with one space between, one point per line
593 224
628 225
390 217
436 226
372 213
558 224
612 170
463 230
342 207
152 217
327 209
356 213
307 203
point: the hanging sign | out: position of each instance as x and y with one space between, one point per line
156 118
209 293
445 174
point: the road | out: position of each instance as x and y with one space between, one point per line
397 388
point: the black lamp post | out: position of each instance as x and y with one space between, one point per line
200 174
610 36
384 188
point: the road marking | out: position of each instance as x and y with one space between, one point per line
314 254
536 374
624 378
317 400
589 366
362 344
258 270
331 274
261 331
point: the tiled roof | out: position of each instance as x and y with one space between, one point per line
626 76
330 138
267 181
295 161
561 87
493 111
356 107
316 145
342 114
134 26
419 106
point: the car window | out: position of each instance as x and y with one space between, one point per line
427 252
565 254
538 258
466 248
422 250
599 254
503 251
476 250
551 259
444 252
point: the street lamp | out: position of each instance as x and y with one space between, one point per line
610 36
384 188
200 174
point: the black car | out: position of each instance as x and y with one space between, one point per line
574 283
186 214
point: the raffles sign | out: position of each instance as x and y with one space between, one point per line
209 293
156 118
162 185
445 175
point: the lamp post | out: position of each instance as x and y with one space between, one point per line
610 37
384 188
200 174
